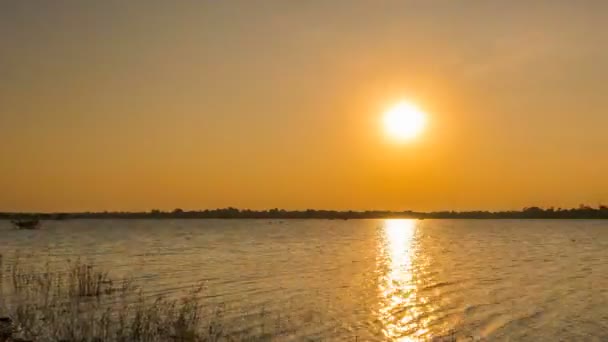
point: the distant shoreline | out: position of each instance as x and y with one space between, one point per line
583 212
311 218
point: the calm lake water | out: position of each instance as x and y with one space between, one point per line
365 280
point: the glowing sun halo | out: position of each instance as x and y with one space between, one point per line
404 121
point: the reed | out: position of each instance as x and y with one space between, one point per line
83 304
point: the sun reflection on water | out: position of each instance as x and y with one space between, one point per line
400 310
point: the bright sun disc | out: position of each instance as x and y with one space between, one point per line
404 121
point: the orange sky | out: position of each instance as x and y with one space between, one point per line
136 105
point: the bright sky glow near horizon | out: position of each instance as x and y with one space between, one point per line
116 105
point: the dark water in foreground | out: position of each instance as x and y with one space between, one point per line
374 280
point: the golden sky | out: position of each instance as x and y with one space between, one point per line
134 105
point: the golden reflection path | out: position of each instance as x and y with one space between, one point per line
400 304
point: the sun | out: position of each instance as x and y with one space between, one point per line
404 121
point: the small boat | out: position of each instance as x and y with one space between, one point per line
26 224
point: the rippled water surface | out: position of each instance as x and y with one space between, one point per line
365 280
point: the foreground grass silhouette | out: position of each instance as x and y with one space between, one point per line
83 304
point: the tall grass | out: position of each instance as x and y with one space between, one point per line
83 304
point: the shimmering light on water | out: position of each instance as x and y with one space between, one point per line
398 303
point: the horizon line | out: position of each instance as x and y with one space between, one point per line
599 207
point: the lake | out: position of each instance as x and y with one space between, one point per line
365 280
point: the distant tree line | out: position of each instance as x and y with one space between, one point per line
582 212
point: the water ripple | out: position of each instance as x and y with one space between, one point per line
371 280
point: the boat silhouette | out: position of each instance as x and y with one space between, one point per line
26 224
